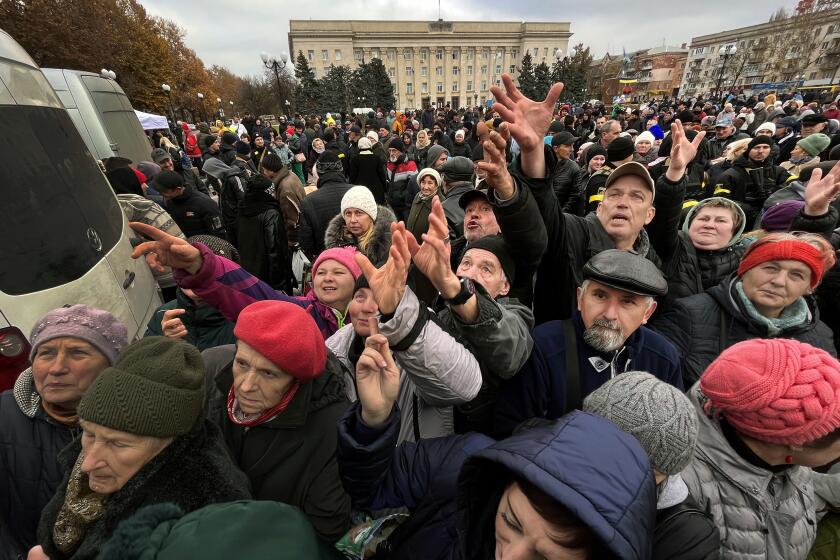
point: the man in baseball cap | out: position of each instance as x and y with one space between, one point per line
604 338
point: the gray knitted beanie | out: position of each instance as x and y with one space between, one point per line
659 415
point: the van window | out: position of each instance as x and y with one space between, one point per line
58 214
119 119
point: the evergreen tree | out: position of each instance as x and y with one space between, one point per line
362 93
307 95
335 88
542 81
576 73
381 86
527 83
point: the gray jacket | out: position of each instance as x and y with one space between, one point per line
760 514
436 371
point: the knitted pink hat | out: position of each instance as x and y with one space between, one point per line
342 255
777 391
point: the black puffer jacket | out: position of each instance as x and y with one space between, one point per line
378 245
749 183
29 471
564 180
318 208
192 472
264 248
694 325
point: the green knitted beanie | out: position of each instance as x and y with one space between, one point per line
155 388
815 143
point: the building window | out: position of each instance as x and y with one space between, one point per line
337 54
409 71
408 54
424 55
812 76
439 71
455 54
469 86
470 54
483 70
439 54
545 52
498 69
485 54
512 69
483 85
310 55
440 87
469 70
824 46
424 88
536 53
391 72
390 54
325 55
424 71
455 86
514 54
409 88
455 70
374 53
357 55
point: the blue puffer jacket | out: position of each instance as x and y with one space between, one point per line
452 485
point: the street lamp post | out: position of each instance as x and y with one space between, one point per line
221 111
168 90
275 66
231 109
201 100
726 51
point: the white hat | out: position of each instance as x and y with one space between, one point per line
364 143
766 126
459 133
374 137
645 136
359 197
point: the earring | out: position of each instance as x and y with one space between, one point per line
789 459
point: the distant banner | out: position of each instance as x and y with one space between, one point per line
628 81
777 85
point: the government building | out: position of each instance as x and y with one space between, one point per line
430 62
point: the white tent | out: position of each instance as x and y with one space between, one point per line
151 122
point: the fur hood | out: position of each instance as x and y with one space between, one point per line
377 250
195 470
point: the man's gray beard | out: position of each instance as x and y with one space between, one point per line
604 336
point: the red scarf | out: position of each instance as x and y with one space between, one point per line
268 414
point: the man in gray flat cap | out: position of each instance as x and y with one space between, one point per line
604 338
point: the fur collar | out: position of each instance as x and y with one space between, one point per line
377 250
26 396
194 471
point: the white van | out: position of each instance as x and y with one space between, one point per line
64 237
102 113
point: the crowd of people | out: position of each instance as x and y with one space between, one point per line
535 330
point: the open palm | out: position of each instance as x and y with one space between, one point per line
528 119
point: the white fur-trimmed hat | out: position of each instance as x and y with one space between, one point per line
360 197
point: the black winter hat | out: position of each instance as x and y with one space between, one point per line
685 117
329 156
620 148
168 181
272 162
242 148
207 141
555 127
594 150
229 138
458 168
759 140
397 144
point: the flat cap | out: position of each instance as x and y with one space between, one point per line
458 168
627 271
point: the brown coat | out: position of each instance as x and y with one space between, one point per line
288 190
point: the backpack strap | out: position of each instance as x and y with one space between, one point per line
573 400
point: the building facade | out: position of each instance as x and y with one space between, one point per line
430 63
777 55
641 75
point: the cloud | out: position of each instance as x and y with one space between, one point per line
232 34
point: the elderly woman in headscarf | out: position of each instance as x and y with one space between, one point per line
144 441
71 346
421 146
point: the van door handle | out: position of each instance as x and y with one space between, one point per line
129 279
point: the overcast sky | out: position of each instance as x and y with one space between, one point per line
233 34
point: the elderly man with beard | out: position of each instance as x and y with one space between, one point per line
604 338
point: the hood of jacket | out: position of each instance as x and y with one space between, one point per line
218 169
380 243
694 209
607 483
456 189
724 295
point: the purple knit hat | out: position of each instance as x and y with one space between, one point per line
780 216
99 328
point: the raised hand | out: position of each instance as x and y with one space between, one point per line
377 378
821 191
495 160
683 151
528 119
165 249
171 324
388 281
432 257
